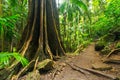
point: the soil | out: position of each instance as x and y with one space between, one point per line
87 59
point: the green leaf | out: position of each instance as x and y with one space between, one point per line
6 56
83 6
80 3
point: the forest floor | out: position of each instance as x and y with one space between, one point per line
79 67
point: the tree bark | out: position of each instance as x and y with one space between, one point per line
40 37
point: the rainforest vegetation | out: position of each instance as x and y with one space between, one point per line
35 33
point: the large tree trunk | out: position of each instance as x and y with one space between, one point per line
40 37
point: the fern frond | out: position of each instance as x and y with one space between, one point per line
6 56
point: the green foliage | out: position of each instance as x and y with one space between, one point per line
12 19
113 12
105 51
5 58
102 26
76 29
113 9
72 14
7 26
118 45
12 22
108 20
80 3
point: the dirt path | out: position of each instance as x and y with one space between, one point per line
86 58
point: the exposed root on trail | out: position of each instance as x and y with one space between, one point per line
15 77
112 52
86 70
112 61
57 70
79 70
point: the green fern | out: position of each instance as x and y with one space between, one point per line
6 56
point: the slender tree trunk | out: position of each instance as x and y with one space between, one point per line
0 7
1 36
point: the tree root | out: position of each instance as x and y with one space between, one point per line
15 77
83 70
6 74
36 62
112 61
79 70
59 69
112 52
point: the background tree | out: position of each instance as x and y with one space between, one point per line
0 7
73 30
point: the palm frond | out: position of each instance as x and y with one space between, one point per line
79 3
82 6
6 56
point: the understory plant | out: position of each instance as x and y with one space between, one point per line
6 57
